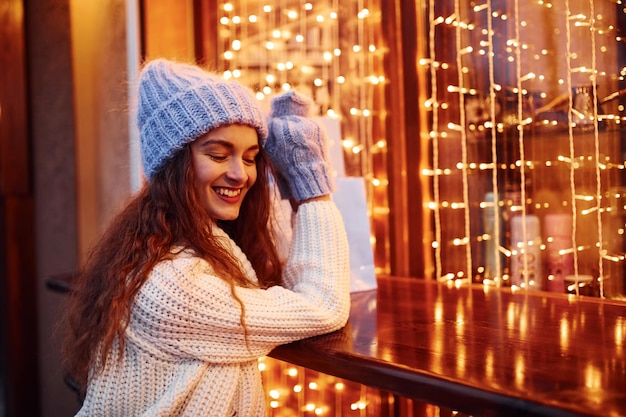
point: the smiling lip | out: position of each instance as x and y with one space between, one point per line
229 195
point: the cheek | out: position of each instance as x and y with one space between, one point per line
252 176
204 172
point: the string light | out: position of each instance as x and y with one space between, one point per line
530 62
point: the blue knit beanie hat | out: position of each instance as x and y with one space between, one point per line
180 102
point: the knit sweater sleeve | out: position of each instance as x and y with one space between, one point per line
185 311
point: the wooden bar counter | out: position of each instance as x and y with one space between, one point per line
479 350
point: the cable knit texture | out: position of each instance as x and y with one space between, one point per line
185 353
180 102
297 146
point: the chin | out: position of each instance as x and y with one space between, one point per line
224 215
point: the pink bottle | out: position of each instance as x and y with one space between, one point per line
558 256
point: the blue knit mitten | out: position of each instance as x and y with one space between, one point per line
297 146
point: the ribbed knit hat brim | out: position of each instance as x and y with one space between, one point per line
178 103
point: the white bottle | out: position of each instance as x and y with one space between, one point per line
559 255
526 252
491 247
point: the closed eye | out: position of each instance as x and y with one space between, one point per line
217 158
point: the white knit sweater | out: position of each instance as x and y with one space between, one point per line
185 353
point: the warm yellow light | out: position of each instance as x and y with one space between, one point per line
348 143
274 394
292 14
228 7
332 114
228 55
236 20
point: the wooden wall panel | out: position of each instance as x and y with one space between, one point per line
17 265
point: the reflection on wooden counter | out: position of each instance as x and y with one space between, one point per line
479 350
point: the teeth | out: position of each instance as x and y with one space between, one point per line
228 192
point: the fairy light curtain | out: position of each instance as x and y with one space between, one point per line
527 162
329 50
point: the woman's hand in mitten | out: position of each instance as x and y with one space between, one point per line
297 147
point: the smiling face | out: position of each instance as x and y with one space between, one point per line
224 164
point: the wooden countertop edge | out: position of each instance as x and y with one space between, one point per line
403 381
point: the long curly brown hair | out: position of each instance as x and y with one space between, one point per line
166 213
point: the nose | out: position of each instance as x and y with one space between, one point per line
237 171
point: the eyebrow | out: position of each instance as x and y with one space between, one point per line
226 144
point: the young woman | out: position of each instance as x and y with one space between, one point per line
185 290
